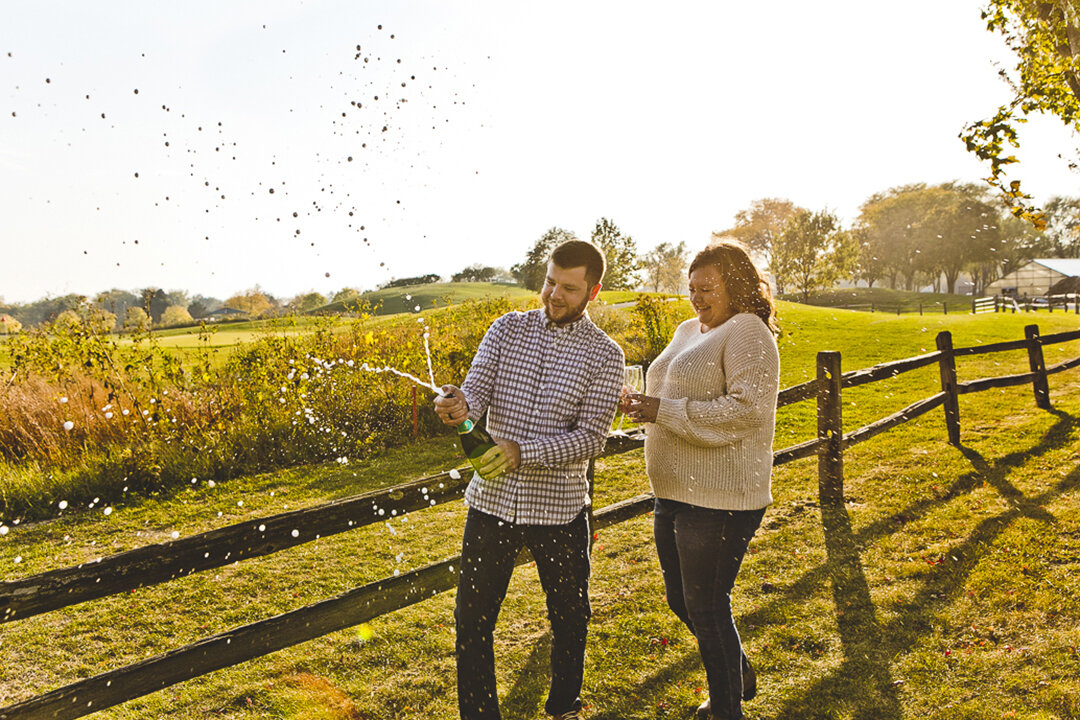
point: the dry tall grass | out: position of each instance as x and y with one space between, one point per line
86 417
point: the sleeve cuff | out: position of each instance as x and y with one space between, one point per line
528 452
670 410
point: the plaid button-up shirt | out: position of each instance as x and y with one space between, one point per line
553 390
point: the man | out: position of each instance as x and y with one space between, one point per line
549 381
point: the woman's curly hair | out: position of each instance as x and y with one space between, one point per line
748 290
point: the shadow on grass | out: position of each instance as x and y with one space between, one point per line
657 685
527 696
862 685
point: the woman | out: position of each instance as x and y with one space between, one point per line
712 404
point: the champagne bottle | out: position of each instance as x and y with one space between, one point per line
475 441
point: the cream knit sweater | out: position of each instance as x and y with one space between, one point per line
711 444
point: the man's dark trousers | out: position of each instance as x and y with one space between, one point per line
489 548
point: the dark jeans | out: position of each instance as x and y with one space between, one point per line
700 553
488 551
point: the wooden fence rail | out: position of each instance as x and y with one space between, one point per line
158 563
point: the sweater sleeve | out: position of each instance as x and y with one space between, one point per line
751 365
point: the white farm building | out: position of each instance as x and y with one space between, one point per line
1035 278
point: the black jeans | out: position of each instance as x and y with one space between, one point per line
488 551
700 553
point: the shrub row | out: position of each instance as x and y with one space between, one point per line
86 417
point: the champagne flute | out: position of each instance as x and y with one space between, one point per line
633 381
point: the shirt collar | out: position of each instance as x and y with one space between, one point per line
569 327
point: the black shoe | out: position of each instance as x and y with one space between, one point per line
749 680
704 711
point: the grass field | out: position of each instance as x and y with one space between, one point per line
884 299
946 587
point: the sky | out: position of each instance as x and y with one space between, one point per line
296 146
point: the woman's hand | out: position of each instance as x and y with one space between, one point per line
642 408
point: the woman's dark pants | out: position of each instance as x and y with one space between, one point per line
488 551
700 553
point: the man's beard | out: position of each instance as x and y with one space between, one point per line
569 314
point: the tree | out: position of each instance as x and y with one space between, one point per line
417 280
254 302
532 272
1018 241
665 267
758 226
620 253
178 297
176 315
870 265
890 221
1063 226
1045 36
812 252
345 294
68 319
306 302
928 232
154 302
86 317
46 309
476 273
201 306
959 227
136 319
116 301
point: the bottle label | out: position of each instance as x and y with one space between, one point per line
465 427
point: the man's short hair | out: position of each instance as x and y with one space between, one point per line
578 253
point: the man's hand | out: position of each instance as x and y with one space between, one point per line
451 406
503 458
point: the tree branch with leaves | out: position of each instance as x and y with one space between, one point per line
1045 36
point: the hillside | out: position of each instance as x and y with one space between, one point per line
415 298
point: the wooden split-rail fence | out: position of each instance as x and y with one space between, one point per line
158 563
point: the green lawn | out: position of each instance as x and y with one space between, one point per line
882 299
946 587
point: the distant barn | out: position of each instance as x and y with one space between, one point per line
225 313
1068 286
1036 277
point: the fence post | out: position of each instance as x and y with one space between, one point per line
920 307
972 303
830 428
1037 365
947 369
945 307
